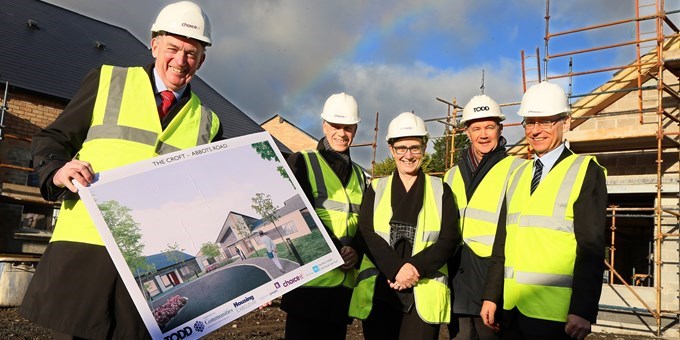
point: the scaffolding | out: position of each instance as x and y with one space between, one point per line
652 79
651 68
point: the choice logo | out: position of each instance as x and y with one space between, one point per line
199 326
480 108
277 285
292 280
184 24
180 334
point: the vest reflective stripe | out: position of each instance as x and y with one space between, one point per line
111 129
542 279
164 148
337 208
461 201
125 128
122 132
367 273
432 295
479 216
485 240
540 243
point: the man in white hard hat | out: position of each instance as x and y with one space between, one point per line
334 185
547 260
76 290
478 182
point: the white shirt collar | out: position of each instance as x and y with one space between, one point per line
160 85
548 160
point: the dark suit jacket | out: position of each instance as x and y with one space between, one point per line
589 228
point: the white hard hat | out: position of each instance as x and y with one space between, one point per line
341 108
544 100
184 18
407 124
482 106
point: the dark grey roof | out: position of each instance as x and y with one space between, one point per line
161 261
53 54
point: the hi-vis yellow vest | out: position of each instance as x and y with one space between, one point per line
479 217
540 246
337 208
432 295
125 128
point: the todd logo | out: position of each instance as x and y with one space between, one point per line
480 108
180 334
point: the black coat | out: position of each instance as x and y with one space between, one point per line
76 290
312 303
467 270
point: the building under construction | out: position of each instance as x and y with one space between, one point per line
631 123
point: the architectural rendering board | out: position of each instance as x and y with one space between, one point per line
202 236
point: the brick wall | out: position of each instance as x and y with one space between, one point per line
26 114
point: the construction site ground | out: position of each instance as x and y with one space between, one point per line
259 324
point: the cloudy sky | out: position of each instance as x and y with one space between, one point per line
287 56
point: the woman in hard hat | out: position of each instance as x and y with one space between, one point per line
408 221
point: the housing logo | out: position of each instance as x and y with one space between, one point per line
316 269
244 303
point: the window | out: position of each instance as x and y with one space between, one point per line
151 288
166 281
288 228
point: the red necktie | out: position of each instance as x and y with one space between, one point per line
167 100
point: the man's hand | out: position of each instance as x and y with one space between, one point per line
577 327
265 305
350 256
488 315
75 169
407 276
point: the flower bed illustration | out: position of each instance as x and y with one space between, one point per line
164 313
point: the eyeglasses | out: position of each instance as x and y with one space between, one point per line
543 125
402 149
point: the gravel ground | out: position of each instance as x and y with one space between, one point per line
260 324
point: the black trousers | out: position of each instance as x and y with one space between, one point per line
516 326
298 327
76 291
385 322
472 327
